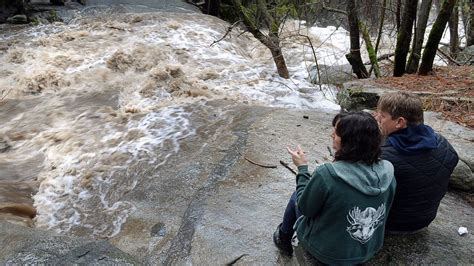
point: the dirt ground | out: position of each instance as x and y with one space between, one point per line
450 90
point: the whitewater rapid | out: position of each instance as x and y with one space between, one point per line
86 106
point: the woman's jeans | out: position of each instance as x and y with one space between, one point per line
292 213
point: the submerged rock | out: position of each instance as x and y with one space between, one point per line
18 19
9 8
335 74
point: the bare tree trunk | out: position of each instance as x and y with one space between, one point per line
404 37
398 13
57 2
382 20
280 62
470 31
435 36
414 59
464 8
453 32
437 6
212 7
370 49
272 41
354 57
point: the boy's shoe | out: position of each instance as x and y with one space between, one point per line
283 242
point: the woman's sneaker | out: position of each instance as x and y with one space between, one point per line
283 242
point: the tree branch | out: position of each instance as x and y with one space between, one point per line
315 60
259 164
382 57
287 167
229 29
370 49
448 57
252 27
335 10
382 18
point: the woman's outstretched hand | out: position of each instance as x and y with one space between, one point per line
297 156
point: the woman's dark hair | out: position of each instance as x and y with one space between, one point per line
360 137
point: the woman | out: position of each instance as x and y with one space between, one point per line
342 208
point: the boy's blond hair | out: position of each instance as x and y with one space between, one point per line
402 104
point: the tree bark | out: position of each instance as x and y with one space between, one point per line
57 2
212 7
470 31
453 32
370 49
398 13
280 63
354 57
437 6
435 36
414 59
272 41
382 20
9 8
404 37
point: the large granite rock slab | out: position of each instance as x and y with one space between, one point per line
219 208
26 246
209 205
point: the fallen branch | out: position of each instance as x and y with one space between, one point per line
449 57
382 57
229 29
282 84
236 259
259 164
287 167
335 10
330 151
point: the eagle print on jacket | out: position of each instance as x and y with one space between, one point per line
364 223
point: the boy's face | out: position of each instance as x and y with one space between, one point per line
387 124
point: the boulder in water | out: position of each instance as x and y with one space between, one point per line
10 8
18 19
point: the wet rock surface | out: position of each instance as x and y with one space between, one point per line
22 245
210 205
440 243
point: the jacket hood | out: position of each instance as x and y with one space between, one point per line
413 139
369 179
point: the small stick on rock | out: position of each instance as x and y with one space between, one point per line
259 164
330 151
287 167
236 259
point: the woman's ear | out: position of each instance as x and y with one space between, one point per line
401 123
